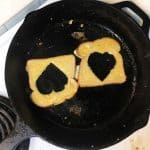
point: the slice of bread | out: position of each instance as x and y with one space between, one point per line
102 45
66 64
86 77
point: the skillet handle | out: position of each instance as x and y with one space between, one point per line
12 130
130 9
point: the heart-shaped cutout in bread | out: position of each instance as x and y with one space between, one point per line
101 64
52 80
94 68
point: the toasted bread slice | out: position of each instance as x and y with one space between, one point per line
86 77
66 64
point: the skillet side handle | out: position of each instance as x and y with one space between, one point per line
139 12
12 130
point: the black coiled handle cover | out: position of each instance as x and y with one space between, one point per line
12 129
7 118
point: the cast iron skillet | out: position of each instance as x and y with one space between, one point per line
108 114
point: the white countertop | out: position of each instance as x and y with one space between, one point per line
8 8
140 140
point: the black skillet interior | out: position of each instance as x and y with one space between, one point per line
102 115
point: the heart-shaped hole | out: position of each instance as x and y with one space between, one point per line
101 64
51 79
